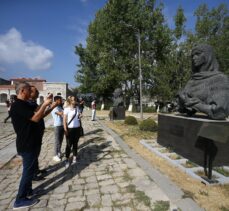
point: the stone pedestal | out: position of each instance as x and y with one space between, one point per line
182 135
117 113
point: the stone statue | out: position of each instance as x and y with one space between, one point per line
118 99
117 111
208 89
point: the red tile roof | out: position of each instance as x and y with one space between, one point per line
11 87
28 79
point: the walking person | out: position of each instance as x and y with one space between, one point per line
8 104
57 114
71 120
26 125
93 110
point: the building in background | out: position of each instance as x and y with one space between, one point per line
7 89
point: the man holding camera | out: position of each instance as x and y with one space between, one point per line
26 125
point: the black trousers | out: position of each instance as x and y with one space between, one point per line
72 141
38 151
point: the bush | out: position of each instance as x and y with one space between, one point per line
131 120
148 125
147 109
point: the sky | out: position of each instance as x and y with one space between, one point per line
38 37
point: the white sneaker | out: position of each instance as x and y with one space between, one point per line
74 159
56 158
67 164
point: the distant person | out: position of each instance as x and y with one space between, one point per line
71 121
8 104
93 110
57 115
81 104
81 108
26 125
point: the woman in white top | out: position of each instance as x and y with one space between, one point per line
71 122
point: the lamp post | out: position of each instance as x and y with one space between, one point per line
139 64
140 72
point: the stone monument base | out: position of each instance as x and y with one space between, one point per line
117 113
188 136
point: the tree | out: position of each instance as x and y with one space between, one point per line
110 58
179 20
111 55
212 27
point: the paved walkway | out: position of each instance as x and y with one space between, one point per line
107 176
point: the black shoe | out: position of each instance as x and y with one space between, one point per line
42 171
24 203
38 178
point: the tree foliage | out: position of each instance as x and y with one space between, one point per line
212 27
110 58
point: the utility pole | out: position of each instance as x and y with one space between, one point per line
140 72
139 63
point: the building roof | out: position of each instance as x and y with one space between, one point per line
27 79
11 87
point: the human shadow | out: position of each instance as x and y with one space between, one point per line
91 140
86 155
52 168
93 132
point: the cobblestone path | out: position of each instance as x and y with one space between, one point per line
105 178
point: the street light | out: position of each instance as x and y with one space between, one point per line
139 63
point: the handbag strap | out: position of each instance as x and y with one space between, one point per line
72 117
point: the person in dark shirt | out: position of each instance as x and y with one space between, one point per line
26 126
8 104
81 105
38 174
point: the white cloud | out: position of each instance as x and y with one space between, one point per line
13 50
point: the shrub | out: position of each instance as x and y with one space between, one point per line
147 109
148 125
131 120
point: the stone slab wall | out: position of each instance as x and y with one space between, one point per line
181 134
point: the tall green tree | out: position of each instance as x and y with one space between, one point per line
212 27
179 20
110 58
111 55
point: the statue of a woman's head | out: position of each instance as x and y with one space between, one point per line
117 93
203 59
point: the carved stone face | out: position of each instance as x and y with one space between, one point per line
198 58
117 93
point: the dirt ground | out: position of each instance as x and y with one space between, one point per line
211 198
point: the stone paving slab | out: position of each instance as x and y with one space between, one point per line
105 178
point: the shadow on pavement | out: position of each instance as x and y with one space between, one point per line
86 156
93 132
96 139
